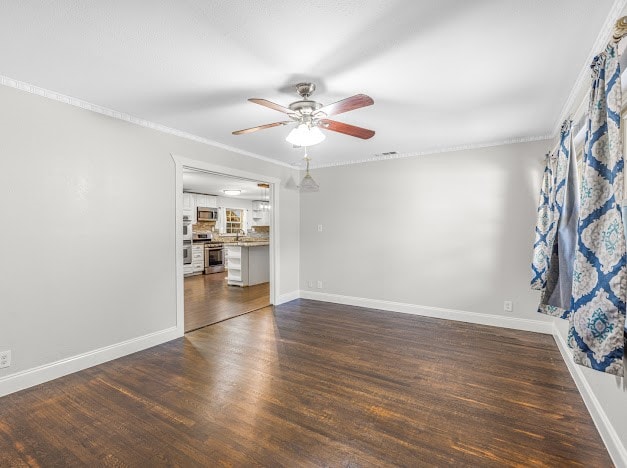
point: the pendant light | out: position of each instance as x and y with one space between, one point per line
308 184
265 196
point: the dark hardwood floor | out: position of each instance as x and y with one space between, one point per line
208 299
313 384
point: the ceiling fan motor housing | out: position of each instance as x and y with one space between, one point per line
305 89
305 107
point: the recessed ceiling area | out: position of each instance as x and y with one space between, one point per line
442 74
215 184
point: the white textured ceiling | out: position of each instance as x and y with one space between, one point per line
442 73
215 184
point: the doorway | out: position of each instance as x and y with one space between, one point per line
226 242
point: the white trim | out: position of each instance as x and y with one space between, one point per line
178 240
610 437
38 375
179 163
444 149
32 89
516 323
287 297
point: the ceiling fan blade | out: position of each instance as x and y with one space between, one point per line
347 129
345 105
260 127
271 105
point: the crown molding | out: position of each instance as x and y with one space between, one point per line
32 89
446 149
584 74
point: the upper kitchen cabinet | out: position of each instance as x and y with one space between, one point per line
191 202
206 201
261 213
188 204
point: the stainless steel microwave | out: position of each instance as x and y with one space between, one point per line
207 214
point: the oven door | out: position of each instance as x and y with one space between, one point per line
214 259
187 253
187 232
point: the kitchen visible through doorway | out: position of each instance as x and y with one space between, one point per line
226 247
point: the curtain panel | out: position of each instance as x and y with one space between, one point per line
597 320
545 228
556 296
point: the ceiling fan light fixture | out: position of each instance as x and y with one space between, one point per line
303 135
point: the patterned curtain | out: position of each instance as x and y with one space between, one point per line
545 228
556 296
597 321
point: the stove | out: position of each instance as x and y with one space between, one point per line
214 257
213 244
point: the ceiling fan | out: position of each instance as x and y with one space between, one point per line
310 116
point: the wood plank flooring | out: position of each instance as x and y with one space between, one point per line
209 299
313 384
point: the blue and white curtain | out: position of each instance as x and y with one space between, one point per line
556 293
545 228
597 320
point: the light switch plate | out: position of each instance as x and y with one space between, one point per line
5 359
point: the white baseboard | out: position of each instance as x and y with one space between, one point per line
538 326
608 433
37 375
287 297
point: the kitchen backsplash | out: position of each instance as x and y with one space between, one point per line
203 227
257 232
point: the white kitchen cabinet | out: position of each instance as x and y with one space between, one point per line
260 213
188 205
198 258
234 265
206 201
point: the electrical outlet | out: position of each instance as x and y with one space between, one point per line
310 283
319 284
508 306
5 359
319 227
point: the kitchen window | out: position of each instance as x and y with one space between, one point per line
233 220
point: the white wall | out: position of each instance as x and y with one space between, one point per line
88 234
451 230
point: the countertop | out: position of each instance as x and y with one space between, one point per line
247 244
236 244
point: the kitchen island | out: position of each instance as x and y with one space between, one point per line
248 263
